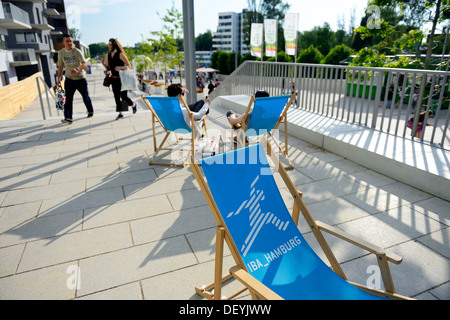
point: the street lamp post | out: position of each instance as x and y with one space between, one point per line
189 50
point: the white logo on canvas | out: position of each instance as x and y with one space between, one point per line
256 217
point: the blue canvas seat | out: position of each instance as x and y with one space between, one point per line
267 113
272 258
168 113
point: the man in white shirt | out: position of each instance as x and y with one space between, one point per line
199 109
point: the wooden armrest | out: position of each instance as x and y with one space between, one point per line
359 242
254 285
203 118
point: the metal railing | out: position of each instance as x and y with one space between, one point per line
24 55
12 12
41 82
382 99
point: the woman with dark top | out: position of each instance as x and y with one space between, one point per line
117 60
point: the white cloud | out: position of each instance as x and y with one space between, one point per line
91 6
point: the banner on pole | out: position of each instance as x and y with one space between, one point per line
290 33
256 40
271 37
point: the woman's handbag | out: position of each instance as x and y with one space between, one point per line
107 80
123 107
128 80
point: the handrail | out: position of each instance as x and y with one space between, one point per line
47 90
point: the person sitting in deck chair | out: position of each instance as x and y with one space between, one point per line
235 119
199 108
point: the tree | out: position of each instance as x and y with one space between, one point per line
222 62
140 56
248 56
215 60
414 13
344 36
322 38
203 42
368 36
326 39
310 55
370 57
98 49
142 63
265 9
281 57
231 60
166 40
338 54
75 34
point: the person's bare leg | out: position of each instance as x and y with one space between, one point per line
233 119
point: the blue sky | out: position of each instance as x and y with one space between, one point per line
130 21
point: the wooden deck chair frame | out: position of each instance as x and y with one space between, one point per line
194 134
240 128
259 291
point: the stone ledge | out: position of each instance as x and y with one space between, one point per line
419 165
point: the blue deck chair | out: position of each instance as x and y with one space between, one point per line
272 258
167 112
267 114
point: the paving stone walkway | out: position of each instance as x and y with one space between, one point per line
82 199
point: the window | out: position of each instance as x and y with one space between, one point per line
28 37
20 37
38 17
4 80
3 45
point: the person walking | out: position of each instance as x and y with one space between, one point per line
71 60
117 60
211 87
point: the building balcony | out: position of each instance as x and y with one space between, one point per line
14 17
23 58
32 1
48 50
59 16
59 30
42 26
56 33
50 12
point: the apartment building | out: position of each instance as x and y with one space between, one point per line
229 35
203 58
26 44
57 19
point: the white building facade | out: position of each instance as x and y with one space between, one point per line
229 35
